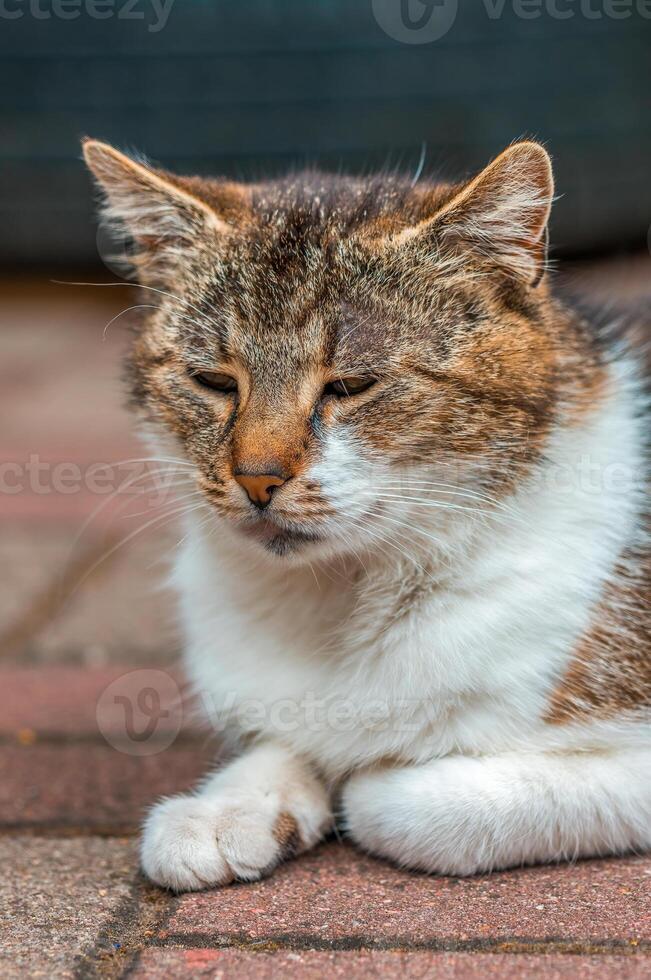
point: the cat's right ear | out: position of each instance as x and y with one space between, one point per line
164 221
501 215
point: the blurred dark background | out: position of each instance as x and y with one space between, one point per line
246 87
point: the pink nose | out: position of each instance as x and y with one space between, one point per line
259 487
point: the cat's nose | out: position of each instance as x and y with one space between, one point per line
259 486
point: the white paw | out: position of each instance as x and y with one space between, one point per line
193 842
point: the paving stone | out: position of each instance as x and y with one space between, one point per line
62 402
103 491
335 895
30 560
55 897
229 964
88 786
55 610
68 701
60 375
62 405
119 613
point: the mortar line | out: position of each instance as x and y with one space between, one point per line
117 947
511 945
47 830
121 743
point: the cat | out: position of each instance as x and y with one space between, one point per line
416 558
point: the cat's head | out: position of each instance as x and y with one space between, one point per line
346 363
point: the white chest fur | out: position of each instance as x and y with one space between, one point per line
418 660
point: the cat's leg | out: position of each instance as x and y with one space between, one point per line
265 806
461 815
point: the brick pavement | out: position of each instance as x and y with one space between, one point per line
72 902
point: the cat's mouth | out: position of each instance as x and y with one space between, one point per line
276 539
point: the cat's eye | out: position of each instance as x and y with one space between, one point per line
345 387
215 380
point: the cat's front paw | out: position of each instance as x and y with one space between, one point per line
193 842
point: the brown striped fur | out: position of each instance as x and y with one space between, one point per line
436 291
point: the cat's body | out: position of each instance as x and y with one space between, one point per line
432 613
441 646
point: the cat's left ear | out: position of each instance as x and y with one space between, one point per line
166 217
502 213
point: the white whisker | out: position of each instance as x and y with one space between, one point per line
160 517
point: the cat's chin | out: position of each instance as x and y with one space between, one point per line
277 541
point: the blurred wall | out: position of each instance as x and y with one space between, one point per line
246 87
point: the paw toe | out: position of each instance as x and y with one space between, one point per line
179 847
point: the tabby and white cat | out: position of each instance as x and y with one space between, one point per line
417 575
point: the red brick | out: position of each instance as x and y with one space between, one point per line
64 700
53 354
118 610
77 376
29 561
308 965
63 600
55 898
85 602
335 895
89 786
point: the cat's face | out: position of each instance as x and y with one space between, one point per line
345 365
